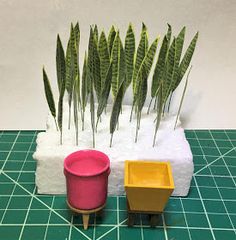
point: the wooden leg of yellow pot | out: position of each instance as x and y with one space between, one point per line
85 221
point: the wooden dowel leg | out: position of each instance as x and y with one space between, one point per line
85 221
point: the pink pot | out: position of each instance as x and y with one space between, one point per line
87 174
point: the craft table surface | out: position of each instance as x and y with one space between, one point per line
209 211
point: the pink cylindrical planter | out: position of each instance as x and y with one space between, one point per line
87 174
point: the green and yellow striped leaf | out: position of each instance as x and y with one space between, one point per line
94 64
129 54
104 57
77 35
159 68
95 33
49 94
85 85
141 53
186 60
118 64
116 109
60 63
105 92
170 66
111 38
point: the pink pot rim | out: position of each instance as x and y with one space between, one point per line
100 154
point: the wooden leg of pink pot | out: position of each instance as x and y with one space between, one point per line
85 221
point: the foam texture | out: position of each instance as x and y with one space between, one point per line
171 146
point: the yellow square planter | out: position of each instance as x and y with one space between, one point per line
148 185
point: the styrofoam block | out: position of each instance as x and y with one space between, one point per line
171 146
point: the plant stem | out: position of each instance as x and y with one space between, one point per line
69 117
137 126
182 98
97 123
111 140
131 114
155 104
168 110
56 123
61 137
149 106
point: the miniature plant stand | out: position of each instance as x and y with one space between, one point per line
86 213
148 186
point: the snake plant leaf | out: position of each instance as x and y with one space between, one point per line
49 94
170 67
184 64
180 44
69 68
104 57
141 52
129 54
118 64
60 63
95 32
105 92
94 64
146 64
77 35
178 52
159 111
159 68
169 32
111 38
84 87
60 107
116 108
142 91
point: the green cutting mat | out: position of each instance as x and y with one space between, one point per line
209 212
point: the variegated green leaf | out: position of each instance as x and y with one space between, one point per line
169 32
142 91
180 44
160 66
170 66
118 64
129 54
95 33
49 94
104 57
111 37
77 35
105 92
147 64
116 108
94 64
60 107
84 87
60 63
178 53
186 60
141 53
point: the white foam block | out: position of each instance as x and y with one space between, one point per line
171 146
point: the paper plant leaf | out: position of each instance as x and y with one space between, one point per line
60 63
104 57
49 94
118 64
129 54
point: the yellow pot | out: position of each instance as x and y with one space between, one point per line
148 185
